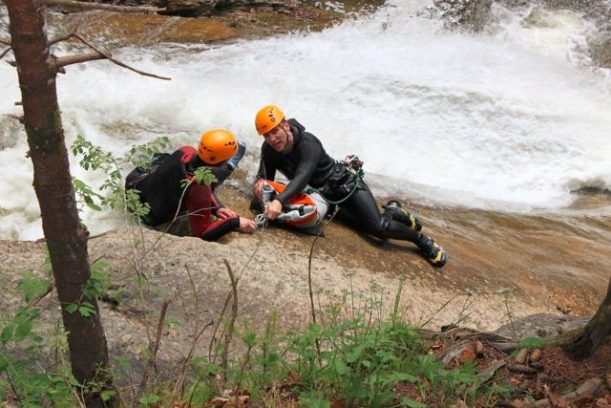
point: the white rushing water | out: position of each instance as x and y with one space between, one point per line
512 119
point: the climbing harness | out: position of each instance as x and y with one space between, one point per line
352 164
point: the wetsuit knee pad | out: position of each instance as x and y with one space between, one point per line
385 222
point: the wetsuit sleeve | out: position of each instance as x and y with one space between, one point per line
219 228
267 165
310 154
200 206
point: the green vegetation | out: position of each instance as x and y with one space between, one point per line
375 364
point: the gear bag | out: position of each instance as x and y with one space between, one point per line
140 173
304 211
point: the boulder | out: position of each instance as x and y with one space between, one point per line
468 14
600 49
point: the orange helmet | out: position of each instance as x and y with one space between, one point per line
217 146
268 118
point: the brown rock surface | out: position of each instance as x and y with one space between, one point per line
548 267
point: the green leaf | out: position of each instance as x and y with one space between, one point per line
86 309
149 399
7 333
398 376
31 286
89 201
355 354
107 394
71 308
412 404
340 367
533 342
23 329
203 175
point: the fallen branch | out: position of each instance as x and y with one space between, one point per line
487 374
82 6
586 390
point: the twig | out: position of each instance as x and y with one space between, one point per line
62 62
395 309
234 316
311 292
213 340
13 388
167 228
62 38
95 6
198 333
427 321
154 348
70 34
462 315
73 59
19 118
5 52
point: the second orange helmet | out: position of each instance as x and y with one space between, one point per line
268 118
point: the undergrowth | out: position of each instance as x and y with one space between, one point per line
348 360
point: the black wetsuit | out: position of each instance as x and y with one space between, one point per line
162 188
309 164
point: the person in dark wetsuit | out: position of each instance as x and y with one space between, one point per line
163 185
300 156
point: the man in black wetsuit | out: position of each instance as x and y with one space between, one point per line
163 185
300 156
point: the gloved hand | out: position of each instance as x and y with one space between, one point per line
247 225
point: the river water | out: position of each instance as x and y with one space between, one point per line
482 128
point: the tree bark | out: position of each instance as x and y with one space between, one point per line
595 331
65 235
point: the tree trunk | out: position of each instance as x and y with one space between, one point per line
65 235
595 331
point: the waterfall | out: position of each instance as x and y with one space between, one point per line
512 119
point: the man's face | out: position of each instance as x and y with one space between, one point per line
280 138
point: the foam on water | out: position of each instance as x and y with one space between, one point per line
511 120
